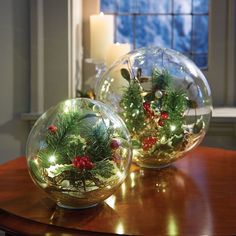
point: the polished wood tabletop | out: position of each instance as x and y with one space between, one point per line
194 196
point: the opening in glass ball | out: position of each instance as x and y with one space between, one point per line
163 98
79 152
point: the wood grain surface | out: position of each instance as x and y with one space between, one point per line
194 196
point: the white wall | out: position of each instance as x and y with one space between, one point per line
14 76
55 57
38 63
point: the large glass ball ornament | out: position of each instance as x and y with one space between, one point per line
79 152
164 99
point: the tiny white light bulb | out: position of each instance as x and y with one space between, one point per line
52 159
172 127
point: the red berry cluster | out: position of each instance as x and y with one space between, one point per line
52 129
83 163
164 116
148 142
147 108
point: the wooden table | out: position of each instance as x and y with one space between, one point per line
195 196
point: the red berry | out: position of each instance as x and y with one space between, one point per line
52 129
164 115
148 142
114 144
161 123
146 106
145 140
83 162
145 147
152 140
151 113
88 165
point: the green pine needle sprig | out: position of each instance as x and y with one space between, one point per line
77 134
161 80
132 105
98 145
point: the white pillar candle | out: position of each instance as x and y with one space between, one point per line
101 35
115 51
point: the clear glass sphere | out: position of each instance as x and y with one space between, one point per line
163 98
79 152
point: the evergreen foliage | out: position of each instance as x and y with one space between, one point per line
64 142
98 147
72 139
132 105
161 80
103 168
173 103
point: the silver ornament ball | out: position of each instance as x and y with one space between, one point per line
158 94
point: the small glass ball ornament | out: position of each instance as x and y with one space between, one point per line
163 98
79 152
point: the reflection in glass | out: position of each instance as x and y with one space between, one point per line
172 193
111 201
172 225
132 179
120 228
123 189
